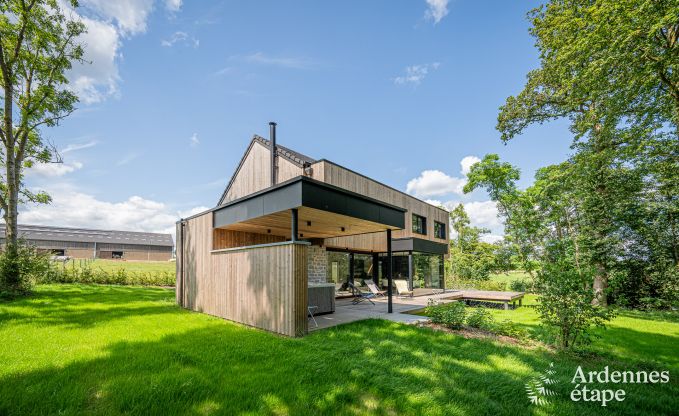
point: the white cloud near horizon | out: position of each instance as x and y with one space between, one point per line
436 10
73 208
415 74
482 214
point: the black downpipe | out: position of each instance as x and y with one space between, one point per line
272 138
389 270
294 226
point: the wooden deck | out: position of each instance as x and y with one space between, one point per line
492 296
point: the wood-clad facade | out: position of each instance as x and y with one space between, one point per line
251 257
258 285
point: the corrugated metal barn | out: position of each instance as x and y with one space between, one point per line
101 244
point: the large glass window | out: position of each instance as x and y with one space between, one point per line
419 224
439 230
427 270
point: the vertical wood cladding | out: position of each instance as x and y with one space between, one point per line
336 175
265 287
255 172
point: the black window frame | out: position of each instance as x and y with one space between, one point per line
442 226
423 229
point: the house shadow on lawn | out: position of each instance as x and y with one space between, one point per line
370 367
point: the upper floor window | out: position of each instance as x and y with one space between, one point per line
419 224
439 230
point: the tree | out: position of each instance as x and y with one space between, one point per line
38 45
470 258
616 111
521 226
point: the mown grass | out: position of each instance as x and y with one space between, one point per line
633 336
77 349
508 277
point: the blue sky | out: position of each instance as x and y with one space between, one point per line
400 91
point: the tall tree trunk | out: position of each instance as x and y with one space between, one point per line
12 194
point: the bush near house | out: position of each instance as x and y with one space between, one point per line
110 272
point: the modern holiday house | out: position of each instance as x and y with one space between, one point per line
287 223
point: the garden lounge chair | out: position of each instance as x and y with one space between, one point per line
373 288
360 296
402 288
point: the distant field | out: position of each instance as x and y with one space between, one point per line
510 276
130 266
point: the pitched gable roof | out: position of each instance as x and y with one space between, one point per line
281 151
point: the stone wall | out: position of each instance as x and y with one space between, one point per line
317 264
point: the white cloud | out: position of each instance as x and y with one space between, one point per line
98 77
280 61
72 208
108 23
182 38
173 5
467 162
433 183
78 146
482 214
436 10
129 15
415 74
193 140
53 169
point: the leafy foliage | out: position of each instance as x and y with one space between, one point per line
566 303
38 44
62 273
451 315
20 268
480 318
470 258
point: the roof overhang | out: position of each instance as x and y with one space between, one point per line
324 211
419 245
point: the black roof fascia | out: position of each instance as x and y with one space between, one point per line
419 245
306 192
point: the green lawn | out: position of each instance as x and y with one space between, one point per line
130 266
510 277
73 349
640 337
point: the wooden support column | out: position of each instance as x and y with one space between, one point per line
294 226
390 308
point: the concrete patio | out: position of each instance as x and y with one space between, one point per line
346 311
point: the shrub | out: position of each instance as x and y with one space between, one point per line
20 268
450 315
480 318
519 286
63 273
565 303
510 329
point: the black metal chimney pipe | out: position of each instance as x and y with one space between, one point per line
272 139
